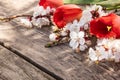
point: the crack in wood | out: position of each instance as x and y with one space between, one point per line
31 62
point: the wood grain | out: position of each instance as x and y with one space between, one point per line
61 60
13 67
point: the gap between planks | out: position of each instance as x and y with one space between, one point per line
32 62
13 67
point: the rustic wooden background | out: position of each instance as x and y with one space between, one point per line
24 57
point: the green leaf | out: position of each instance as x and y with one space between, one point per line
109 4
81 1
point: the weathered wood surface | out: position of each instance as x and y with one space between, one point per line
13 67
60 60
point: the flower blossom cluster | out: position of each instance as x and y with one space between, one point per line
77 26
41 17
106 49
42 13
92 21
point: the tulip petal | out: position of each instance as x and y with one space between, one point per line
113 20
107 19
65 14
116 23
51 3
99 26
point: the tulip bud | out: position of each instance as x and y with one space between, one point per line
53 37
65 14
51 3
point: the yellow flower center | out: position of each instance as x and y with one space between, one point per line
97 62
109 28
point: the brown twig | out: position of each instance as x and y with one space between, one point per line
13 17
57 42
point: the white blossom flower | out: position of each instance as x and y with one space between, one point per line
77 40
38 10
64 32
102 42
83 47
40 22
53 37
43 21
101 11
101 53
115 46
117 56
41 11
111 52
26 22
53 10
98 8
48 10
92 55
54 28
67 26
98 54
73 26
44 13
86 26
86 18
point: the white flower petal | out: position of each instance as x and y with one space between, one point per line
72 41
40 22
86 17
52 37
110 55
53 10
103 56
64 33
44 13
74 44
41 8
86 26
117 56
82 47
82 41
101 49
48 10
75 22
81 34
73 35
67 26
26 22
102 42
92 55
75 28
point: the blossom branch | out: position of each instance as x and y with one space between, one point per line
13 17
57 42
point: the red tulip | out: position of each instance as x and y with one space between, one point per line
51 3
106 26
65 14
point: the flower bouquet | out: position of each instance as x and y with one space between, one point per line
92 29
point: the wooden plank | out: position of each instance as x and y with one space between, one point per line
13 67
60 60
